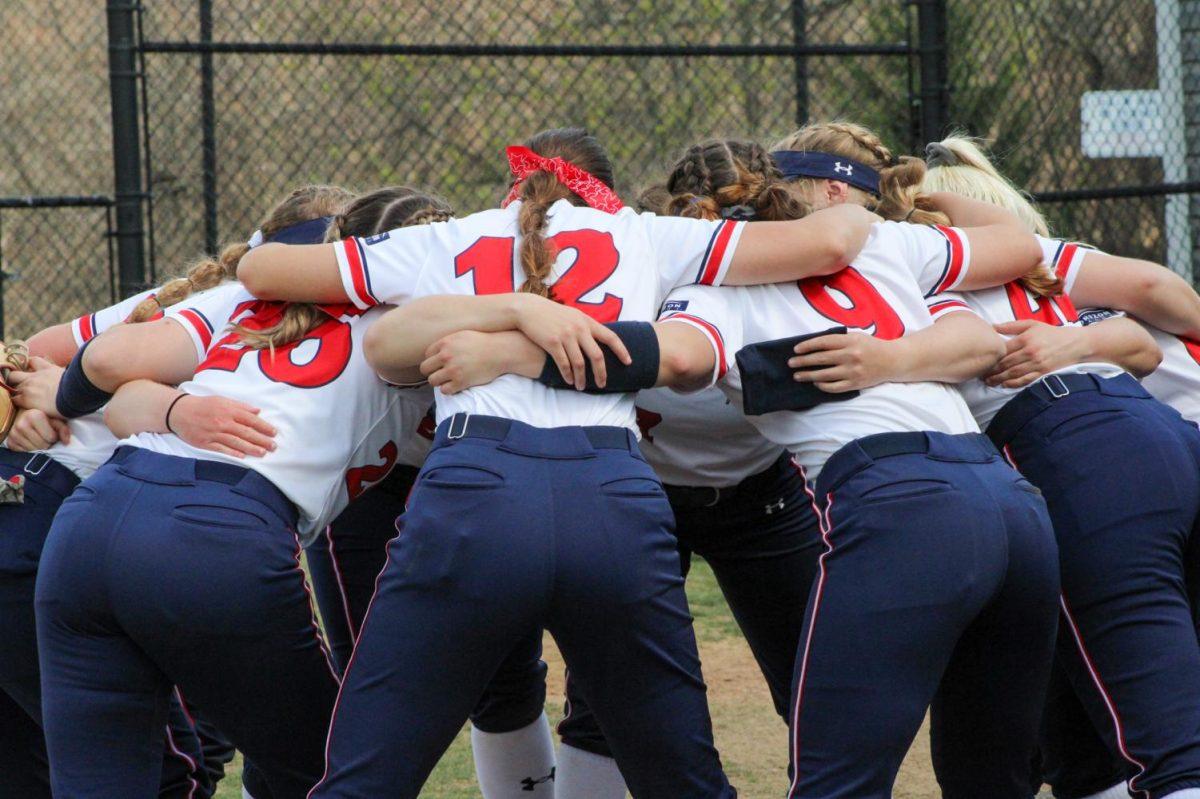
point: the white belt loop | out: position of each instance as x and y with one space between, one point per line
450 433
1062 386
29 468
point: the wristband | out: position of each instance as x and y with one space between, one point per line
77 394
767 382
171 407
641 341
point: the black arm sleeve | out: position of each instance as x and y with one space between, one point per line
641 341
767 383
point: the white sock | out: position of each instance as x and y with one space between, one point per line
1186 793
1115 792
517 764
246 794
582 775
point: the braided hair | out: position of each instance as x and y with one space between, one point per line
721 177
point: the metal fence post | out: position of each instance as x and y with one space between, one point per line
935 68
1189 36
127 159
800 38
208 126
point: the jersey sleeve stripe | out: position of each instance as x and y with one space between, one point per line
711 333
943 307
715 262
355 279
955 259
84 329
200 326
1067 262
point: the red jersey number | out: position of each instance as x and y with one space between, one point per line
1193 348
315 360
490 262
868 310
360 478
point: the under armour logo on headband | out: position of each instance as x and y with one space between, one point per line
840 167
524 162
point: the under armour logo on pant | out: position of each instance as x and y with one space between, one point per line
530 784
774 506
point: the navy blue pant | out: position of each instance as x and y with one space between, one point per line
344 563
24 772
761 539
158 571
1121 476
512 529
1074 759
938 586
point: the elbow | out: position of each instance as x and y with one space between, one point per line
1146 360
252 276
374 349
106 366
112 420
681 369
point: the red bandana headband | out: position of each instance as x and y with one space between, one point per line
524 162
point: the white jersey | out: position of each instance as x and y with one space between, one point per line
881 293
339 426
1012 302
610 266
91 442
1176 381
700 439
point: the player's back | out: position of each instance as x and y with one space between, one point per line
611 266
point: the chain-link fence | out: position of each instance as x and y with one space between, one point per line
224 106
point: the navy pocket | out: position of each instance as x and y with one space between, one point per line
905 489
217 516
634 487
461 476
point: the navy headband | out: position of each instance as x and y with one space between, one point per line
311 231
794 164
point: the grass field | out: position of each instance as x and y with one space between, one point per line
751 737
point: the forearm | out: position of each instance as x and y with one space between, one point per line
687 360
139 407
820 244
159 351
56 344
402 336
966 212
1122 342
1169 303
958 347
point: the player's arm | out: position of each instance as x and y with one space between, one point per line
209 422
56 344
819 244
401 338
295 272
161 351
1143 289
957 347
468 358
1036 349
1001 248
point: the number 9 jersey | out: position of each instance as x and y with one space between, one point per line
610 266
883 294
331 411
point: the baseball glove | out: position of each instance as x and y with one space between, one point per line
14 355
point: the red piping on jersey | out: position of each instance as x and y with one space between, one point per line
712 266
87 327
1118 727
1063 263
201 327
358 271
945 306
955 258
713 334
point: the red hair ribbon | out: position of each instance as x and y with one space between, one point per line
524 162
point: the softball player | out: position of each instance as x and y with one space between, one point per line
557 520
963 616
49 470
57 455
147 602
1088 435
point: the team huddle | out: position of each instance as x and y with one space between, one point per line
939 462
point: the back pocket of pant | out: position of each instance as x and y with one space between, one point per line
461 476
634 487
216 516
905 489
